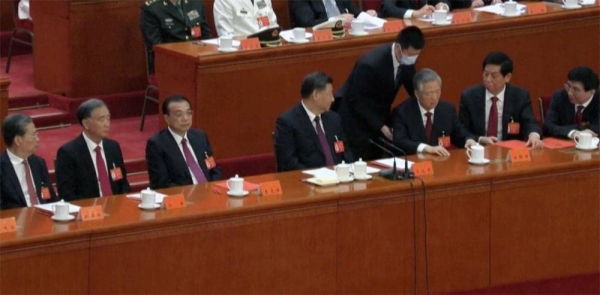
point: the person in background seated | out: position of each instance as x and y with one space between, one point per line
309 13
91 165
166 21
179 155
365 100
411 8
24 179
243 17
308 135
497 110
427 125
574 108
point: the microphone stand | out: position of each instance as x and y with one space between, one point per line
391 174
408 174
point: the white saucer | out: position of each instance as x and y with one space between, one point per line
446 23
483 162
350 179
71 217
232 49
243 193
366 177
511 15
156 206
363 33
591 148
571 7
300 41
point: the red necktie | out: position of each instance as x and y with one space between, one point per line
30 187
428 126
578 118
492 127
102 174
323 141
192 164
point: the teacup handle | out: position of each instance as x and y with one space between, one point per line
227 182
469 153
575 138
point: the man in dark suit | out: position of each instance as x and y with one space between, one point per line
166 21
24 179
506 106
574 108
427 125
179 155
411 8
309 13
91 165
366 98
309 135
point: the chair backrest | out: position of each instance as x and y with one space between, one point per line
544 104
371 4
275 151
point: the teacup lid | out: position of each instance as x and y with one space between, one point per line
359 161
236 177
147 190
343 164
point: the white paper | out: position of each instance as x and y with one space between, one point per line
289 35
431 18
48 207
138 196
499 8
321 172
587 2
371 22
370 170
389 162
215 41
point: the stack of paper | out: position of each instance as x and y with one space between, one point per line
499 8
371 22
48 207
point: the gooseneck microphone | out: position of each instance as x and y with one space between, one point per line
391 174
407 174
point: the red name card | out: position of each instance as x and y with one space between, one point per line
271 188
393 26
511 144
555 143
422 168
519 155
323 35
462 17
250 44
91 213
536 8
174 201
8 225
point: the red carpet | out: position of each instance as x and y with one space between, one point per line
583 284
125 131
21 75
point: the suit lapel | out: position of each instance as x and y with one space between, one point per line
173 148
36 169
507 109
174 10
480 111
417 120
329 131
307 126
12 178
200 154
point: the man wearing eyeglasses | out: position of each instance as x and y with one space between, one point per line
179 154
24 180
497 110
574 109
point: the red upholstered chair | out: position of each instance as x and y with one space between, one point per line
22 28
247 166
371 4
151 89
544 104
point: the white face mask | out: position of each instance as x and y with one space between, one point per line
408 60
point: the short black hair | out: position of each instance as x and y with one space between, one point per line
411 37
85 109
173 98
501 59
314 81
14 125
586 76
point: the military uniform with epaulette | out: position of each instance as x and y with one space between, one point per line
163 21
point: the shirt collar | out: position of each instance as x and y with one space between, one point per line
423 110
396 61
14 159
311 115
585 104
90 144
500 96
177 137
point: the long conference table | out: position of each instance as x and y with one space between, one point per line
237 96
464 227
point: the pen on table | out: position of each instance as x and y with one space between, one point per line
347 10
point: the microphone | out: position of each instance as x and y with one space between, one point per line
407 174
391 174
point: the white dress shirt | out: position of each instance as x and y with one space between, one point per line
92 149
585 105
423 111
239 17
395 60
20 171
499 105
311 117
187 142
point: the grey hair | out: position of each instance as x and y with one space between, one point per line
85 110
14 125
424 76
